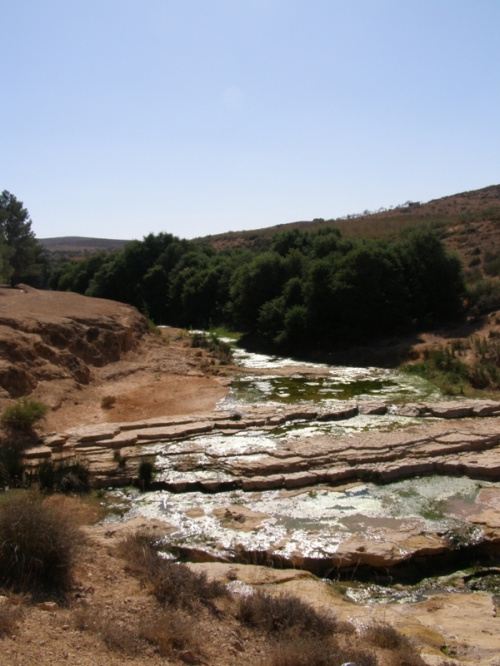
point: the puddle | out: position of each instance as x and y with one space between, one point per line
334 383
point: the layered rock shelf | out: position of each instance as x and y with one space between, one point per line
247 454
453 438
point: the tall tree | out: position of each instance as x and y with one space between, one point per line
21 253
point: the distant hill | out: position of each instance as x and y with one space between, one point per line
450 210
468 222
72 246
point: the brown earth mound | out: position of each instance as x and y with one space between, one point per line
93 360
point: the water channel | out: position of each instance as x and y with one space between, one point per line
311 521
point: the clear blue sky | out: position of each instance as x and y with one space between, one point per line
124 117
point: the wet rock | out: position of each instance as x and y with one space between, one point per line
262 482
373 408
239 517
347 412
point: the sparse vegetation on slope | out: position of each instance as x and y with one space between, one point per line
462 366
295 633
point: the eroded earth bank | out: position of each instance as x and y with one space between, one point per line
353 488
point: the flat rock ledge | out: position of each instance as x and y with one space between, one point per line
453 438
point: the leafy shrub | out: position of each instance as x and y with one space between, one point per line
281 613
64 477
11 465
145 474
23 415
484 294
38 547
217 347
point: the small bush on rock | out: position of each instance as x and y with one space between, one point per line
385 636
38 548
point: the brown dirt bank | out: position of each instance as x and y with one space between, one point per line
93 360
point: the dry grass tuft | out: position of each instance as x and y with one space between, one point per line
116 635
10 616
297 650
171 632
386 637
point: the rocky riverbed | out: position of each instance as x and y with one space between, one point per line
278 475
358 475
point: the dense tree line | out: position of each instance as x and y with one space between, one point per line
309 291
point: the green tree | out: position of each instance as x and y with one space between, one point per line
434 277
21 255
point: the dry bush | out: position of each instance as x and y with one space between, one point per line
282 613
172 631
173 584
296 650
108 402
303 651
140 552
38 547
178 586
116 635
385 636
10 617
